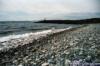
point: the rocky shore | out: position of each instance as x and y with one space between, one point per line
57 49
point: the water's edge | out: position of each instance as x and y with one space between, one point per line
21 51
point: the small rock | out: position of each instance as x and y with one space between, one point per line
45 64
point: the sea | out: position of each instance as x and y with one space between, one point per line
8 28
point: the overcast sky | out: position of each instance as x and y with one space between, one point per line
49 9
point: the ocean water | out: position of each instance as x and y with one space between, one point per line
18 28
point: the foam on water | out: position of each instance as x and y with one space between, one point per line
7 38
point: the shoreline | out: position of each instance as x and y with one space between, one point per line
33 46
37 36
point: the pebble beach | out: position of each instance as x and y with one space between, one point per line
60 48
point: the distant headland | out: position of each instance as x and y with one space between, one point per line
83 21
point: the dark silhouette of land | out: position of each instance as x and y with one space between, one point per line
84 21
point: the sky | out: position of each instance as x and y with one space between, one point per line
48 9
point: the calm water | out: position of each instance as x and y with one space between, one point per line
10 28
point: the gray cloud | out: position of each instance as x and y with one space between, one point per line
39 9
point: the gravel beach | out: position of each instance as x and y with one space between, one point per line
80 45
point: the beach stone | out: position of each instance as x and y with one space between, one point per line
45 64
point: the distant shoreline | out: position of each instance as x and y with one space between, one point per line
67 21
84 21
